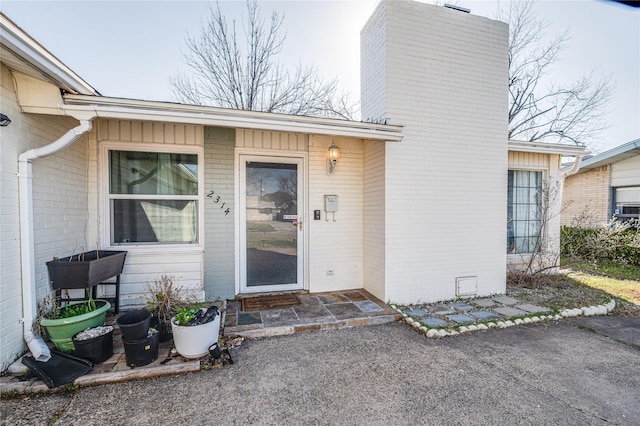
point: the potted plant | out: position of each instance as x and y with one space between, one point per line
164 299
195 329
63 322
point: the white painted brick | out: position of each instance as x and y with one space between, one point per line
336 245
443 76
60 203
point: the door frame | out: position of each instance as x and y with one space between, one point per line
272 156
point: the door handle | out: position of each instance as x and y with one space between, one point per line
300 222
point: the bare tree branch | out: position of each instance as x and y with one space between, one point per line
552 113
229 71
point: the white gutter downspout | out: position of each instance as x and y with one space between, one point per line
37 346
574 169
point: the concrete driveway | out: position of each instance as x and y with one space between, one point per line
386 374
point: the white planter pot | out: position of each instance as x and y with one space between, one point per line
194 341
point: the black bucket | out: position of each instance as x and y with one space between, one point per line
134 325
164 328
97 350
142 351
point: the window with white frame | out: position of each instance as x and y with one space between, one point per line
153 197
626 200
524 210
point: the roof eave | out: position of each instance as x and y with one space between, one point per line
613 155
547 148
130 109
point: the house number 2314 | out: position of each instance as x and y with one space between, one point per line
216 199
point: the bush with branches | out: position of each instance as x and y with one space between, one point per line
617 242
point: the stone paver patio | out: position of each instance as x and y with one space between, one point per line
453 314
318 311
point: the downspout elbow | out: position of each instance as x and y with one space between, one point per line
574 169
64 141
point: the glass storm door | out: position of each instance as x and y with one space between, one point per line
271 257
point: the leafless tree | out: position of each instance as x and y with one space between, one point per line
224 74
552 113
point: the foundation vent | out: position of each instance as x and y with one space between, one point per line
467 286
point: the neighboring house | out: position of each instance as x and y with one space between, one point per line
607 186
415 209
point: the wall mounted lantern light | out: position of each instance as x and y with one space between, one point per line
332 159
4 120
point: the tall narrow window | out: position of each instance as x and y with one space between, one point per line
153 197
524 210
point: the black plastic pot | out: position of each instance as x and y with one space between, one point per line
142 351
134 325
97 350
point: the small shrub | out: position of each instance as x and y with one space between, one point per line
165 297
616 242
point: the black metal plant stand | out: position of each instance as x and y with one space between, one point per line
87 271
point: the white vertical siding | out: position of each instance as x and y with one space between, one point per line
626 172
529 160
335 245
445 183
149 132
262 139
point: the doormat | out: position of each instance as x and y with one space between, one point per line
260 303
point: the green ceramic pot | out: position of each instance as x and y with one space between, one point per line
62 330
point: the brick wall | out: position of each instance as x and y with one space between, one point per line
587 193
373 219
335 245
60 208
219 264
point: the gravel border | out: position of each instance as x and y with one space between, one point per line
436 333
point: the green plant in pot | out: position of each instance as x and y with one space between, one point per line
195 329
62 322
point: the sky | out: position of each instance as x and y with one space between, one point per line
131 48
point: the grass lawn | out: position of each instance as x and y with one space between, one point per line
580 286
272 242
628 290
625 272
259 227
